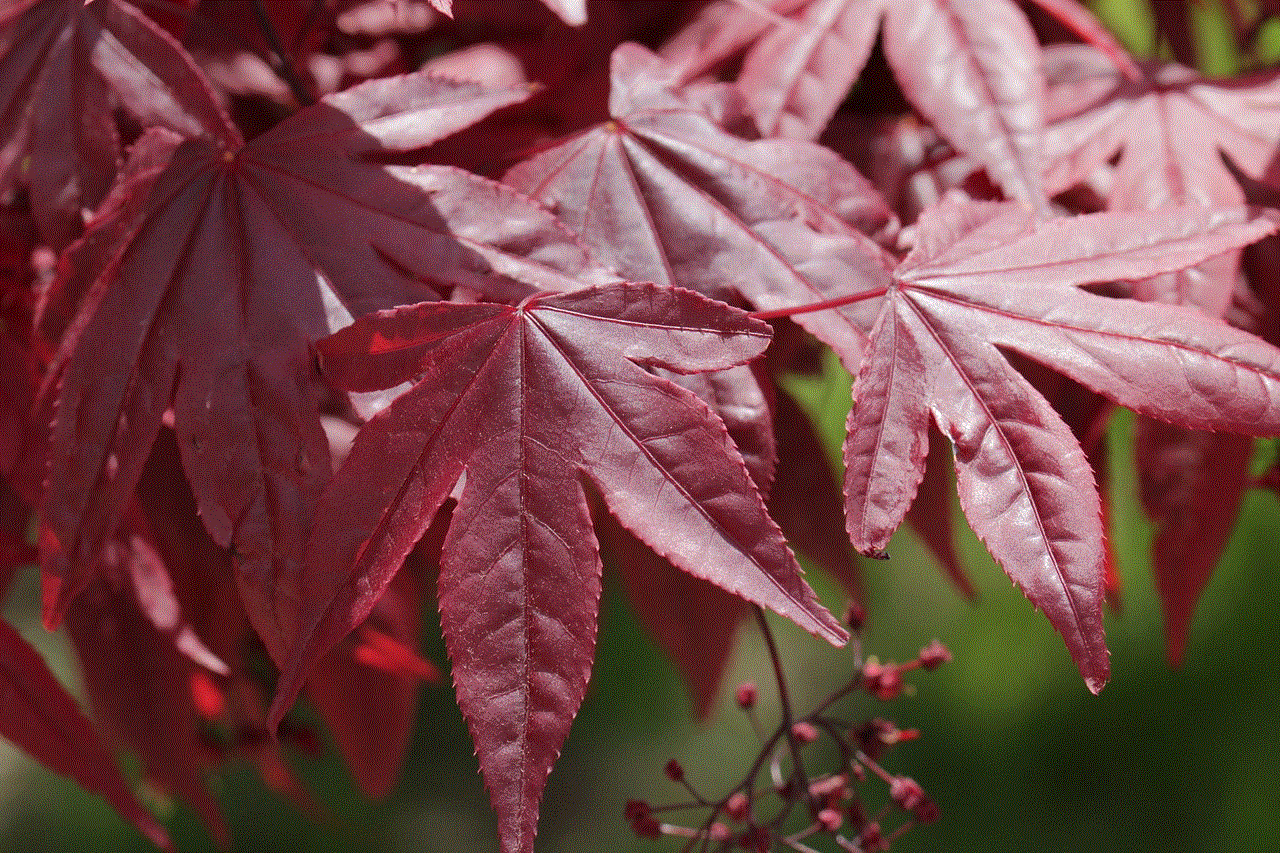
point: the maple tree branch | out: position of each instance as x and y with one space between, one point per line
784 699
838 302
282 66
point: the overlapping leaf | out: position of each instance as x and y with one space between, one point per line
971 68
202 297
1165 129
986 276
668 196
39 716
528 405
63 65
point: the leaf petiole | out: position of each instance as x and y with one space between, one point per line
838 302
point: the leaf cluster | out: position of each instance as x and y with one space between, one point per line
320 312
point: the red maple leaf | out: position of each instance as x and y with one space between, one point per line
971 68
63 66
985 276
200 286
668 196
1164 128
38 715
528 405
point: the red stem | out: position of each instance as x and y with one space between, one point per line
838 302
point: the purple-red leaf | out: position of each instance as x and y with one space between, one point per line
60 63
691 620
972 68
988 276
1167 129
667 196
525 404
137 681
202 296
39 716
1192 485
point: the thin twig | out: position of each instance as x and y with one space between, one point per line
784 699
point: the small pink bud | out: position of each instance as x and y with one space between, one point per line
907 793
870 839
829 785
804 732
646 827
926 811
746 695
855 616
830 820
736 806
718 831
934 655
884 681
635 809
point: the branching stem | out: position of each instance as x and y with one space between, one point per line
784 700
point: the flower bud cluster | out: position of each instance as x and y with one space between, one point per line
780 803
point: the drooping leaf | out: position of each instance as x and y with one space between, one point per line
230 264
41 718
137 681
61 63
982 277
930 514
805 497
526 403
973 69
200 572
691 620
367 687
667 196
1192 485
694 621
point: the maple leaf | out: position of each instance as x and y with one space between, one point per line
38 715
528 404
137 680
985 276
1192 484
971 68
203 293
665 195
64 64
1167 130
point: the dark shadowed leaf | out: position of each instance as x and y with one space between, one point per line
212 286
694 622
61 63
41 718
367 687
137 681
1192 485
805 497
